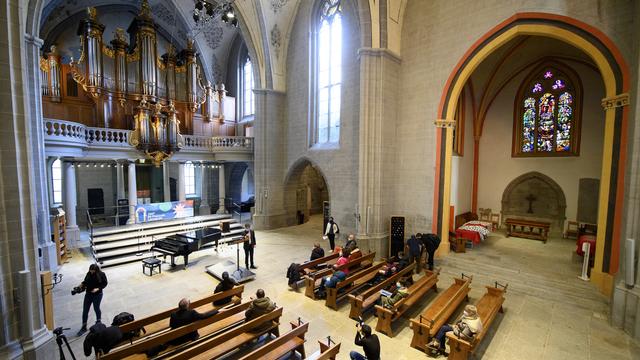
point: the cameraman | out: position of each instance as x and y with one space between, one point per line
370 344
93 283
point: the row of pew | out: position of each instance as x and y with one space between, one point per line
363 295
224 333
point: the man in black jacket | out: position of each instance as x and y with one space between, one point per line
317 252
370 344
101 339
185 316
249 245
227 283
431 243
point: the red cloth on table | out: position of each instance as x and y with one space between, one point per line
473 236
586 238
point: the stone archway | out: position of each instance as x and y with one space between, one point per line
535 196
304 192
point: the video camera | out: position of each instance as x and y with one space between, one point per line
78 289
359 321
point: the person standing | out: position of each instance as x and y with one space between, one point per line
249 245
331 231
93 283
415 249
369 342
431 243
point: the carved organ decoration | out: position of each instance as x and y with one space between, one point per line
130 85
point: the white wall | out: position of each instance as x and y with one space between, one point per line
95 178
462 166
497 168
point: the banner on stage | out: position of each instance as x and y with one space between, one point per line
164 211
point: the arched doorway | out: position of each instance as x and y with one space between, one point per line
305 191
615 76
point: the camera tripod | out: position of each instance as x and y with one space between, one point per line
60 338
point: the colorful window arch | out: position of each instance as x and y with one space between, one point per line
547 116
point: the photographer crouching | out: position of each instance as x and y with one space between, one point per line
92 286
369 342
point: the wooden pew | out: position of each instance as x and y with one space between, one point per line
222 321
327 351
488 307
312 281
416 291
226 342
427 324
291 342
160 322
351 283
310 266
366 299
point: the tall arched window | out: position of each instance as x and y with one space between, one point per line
328 72
247 89
547 120
56 181
189 179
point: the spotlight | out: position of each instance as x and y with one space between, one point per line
101 165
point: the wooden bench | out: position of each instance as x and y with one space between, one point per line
226 342
220 322
488 307
366 299
312 281
353 282
160 322
310 266
416 291
327 351
291 342
427 324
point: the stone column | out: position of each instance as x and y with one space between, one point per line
181 190
133 193
70 203
446 125
221 190
166 183
269 159
378 82
204 194
120 193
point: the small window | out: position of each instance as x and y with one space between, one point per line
189 179
247 89
56 181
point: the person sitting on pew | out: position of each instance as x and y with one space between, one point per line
317 252
343 259
227 283
259 306
401 291
466 329
185 316
351 243
369 342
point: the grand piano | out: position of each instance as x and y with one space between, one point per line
186 243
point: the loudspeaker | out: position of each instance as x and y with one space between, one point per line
225 226
630 260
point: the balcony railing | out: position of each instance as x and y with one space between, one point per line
74 134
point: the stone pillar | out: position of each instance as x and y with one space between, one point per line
378 82
204 194
181 190
221 190
446 125
269 160
133 193
23 182
166 183
70 203
120 193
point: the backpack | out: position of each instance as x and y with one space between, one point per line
125 318
293 273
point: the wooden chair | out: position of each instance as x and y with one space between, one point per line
289 343
229 341
488 307
416 292
484 214
327 351
366 299
495 221
353 282
312 281
572 230
427 324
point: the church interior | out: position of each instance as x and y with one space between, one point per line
470 170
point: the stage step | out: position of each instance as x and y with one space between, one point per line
155 224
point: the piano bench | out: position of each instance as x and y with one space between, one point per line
151 263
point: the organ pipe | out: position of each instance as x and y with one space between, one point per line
91 32
192 75
170 61
54 73
119 44
143 30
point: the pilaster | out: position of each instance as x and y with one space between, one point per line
446 125
70 203
166 183
132 193
222 191
204 196
181 183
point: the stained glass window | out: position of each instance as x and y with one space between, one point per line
546 123
329 72
247 89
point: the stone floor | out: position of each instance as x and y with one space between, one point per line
549 312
